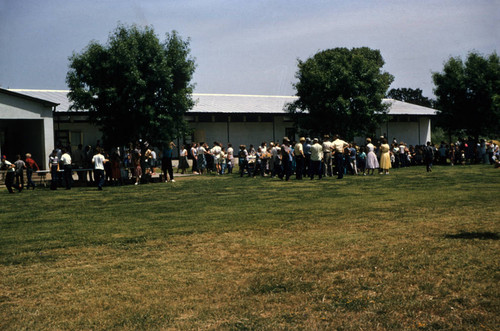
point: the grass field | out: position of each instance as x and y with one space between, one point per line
410 250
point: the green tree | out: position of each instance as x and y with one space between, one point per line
134 86
341 91
410 95
468 95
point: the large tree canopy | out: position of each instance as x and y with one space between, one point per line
410 95
468 95
134 86
341 91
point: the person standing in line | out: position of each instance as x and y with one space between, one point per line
183 160
10 174
361 161
54 169
338 146
230 158
316 159
277 164
166 162
371 157
223 161
327 156
66 162
265 158
307 158
136 162
216 150
286 159
353 155
193 154
299 158
385 158
31 166
402 157
243 161
201 163
20 166
98 161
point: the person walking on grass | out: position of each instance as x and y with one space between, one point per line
31 166
20 166
10 174
98 161
428 156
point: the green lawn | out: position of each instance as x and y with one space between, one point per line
410 250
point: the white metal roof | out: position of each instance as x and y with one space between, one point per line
232 103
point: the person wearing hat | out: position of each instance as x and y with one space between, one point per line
11 173
316 158
299 158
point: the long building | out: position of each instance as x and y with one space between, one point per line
239 119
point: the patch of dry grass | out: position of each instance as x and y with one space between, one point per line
405 251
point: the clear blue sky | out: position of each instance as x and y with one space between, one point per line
249 47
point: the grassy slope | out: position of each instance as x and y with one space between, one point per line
408 250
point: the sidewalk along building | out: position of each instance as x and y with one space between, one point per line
26 126
234 118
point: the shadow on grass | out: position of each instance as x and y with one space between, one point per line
474 235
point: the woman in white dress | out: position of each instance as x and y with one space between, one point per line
371 158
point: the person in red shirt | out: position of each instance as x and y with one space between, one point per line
31 166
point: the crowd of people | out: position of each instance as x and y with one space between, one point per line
307 158
311 158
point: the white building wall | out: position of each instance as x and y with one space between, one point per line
90 134
18 108
412 133
425 130
240 133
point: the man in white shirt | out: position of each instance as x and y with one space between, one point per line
338 146
98 161
327 156
316 157
68 171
